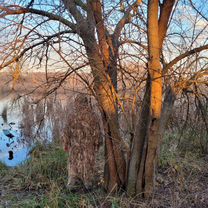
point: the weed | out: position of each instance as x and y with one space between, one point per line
40 182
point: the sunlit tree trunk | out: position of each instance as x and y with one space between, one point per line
114 151
106 96
103 62
149 128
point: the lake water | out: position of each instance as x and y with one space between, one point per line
13 148
29 122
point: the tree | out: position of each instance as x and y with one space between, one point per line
88 21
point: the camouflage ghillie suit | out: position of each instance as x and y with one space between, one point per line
81 140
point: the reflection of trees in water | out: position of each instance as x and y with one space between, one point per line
4 114
56 116
11 155
42 121
27 123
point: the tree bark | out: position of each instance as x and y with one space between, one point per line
143 161
107 99
155 71
137 153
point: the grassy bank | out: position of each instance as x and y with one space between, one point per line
40 183
182 181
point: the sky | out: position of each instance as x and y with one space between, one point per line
185 16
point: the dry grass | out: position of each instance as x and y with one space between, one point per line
182 182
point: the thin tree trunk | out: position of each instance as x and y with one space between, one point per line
111 178
113 140
155 70
145 147
137 152
167 108
106 95
103 62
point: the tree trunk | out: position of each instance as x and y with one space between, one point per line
167 108
155 71
145 149
107 99
103 62
111 178
113 141
137 152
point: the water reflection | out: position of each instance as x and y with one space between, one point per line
13 151
24 123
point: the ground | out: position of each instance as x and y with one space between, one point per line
182 182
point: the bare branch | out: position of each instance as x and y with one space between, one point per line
185 55
81 4
166 10
13 10
194 7
71 6
134 42
124 20
16 58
